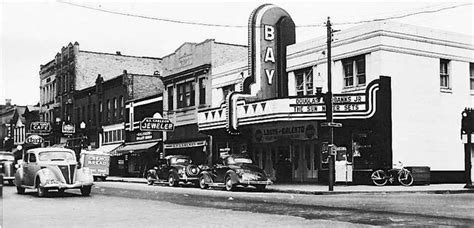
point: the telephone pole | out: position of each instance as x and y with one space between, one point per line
329 111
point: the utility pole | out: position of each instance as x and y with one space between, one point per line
329 111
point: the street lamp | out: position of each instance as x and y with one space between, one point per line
319 83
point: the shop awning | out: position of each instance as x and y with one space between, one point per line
136 148
109 149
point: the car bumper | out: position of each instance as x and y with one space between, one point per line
68 186
188 179
8 178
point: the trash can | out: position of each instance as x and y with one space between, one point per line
421 174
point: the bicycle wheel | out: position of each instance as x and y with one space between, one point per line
378 177
405 178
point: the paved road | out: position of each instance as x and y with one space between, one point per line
114 203
99 210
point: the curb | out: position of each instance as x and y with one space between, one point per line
438 191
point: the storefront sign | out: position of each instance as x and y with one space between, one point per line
140 136
68 129
40 127
156 124
34 139
185 144
285 131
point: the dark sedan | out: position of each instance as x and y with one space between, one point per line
174 169
235 170
7 166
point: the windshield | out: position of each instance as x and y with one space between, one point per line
233 161
181 161
6 157
56 156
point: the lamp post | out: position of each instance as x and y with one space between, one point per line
328 102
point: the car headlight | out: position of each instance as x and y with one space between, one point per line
239 172
181 171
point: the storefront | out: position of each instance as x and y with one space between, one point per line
186 140
134 158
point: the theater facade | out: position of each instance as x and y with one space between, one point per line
398 94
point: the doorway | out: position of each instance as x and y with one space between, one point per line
305 161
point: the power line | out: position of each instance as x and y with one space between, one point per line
245 26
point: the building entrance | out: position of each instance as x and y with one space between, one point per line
305 161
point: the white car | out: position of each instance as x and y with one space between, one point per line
45 169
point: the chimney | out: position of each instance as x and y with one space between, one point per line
8 102
118 53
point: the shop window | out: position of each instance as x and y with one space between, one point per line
471 76
227 89
202 91
304 81
444 73
354 71
170 97
307 152
186 94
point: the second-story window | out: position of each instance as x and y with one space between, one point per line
186 94
100 113
121 107
304 82
354 71
170 98
108 111
202 91
115 108
444 73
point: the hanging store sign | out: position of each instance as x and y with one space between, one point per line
34 139
146 135
40 127
156 124
184 144
68 129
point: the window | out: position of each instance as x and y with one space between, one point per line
186 94
115 108
444 73
170 97
304 82
354 71
100 113
108 110
228 89
202 91
121 107
471 75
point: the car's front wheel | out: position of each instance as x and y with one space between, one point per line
202 183
20 190
86 190
42 192
172 182
229 186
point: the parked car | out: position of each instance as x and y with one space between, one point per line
235 170
98 162
174 169
7 166
45 169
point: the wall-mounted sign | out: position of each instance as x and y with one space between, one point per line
271 30
156 124
40 127
184 144
286 131
68 129
145 135
34 139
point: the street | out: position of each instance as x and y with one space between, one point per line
114 204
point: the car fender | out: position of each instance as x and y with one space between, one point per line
84 175
44 174
207 177
152 173
19 174
233 176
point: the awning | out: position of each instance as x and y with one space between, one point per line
136 148
109 149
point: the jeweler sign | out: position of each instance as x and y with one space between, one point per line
156 124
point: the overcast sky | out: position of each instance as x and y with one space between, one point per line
33 32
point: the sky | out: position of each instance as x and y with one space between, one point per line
32 32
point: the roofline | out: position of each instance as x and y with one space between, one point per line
239 45
132 56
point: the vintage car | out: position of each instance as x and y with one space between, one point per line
235 170
174 169
7 166
45 169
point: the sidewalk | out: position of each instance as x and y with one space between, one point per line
318 189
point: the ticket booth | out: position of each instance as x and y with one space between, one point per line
343 165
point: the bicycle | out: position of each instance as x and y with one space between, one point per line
380 177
